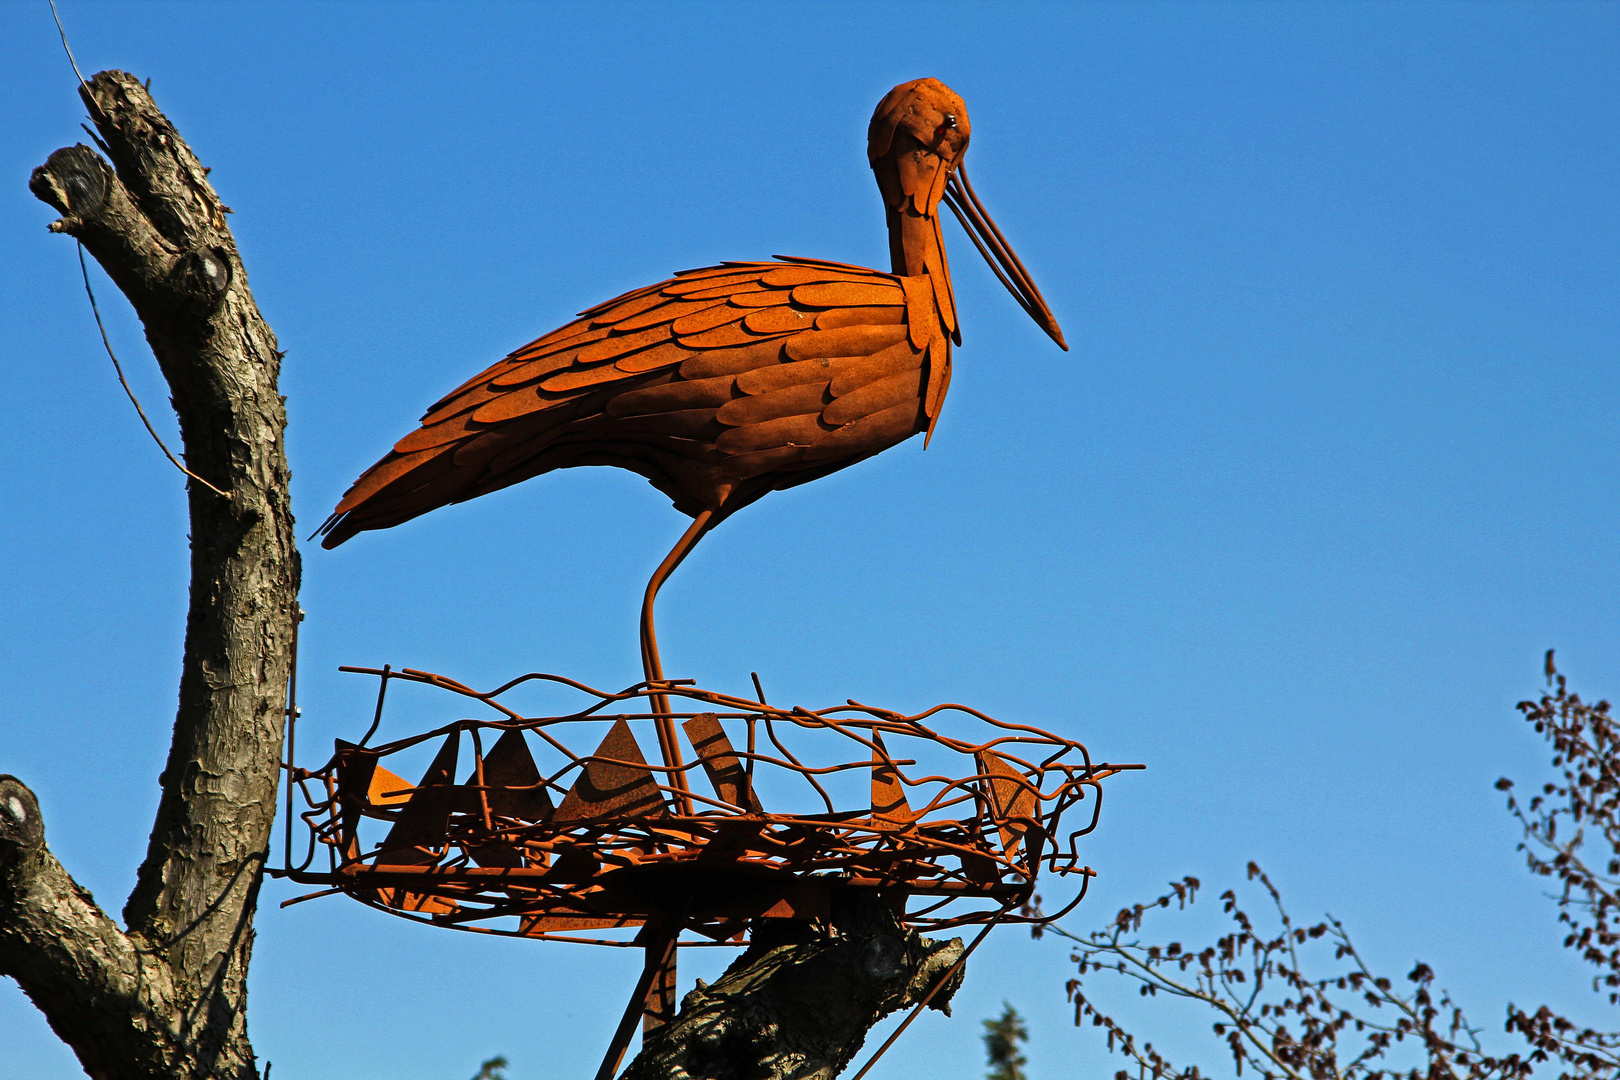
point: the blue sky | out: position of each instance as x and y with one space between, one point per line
1329 467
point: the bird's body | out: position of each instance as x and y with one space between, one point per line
718 385
728 382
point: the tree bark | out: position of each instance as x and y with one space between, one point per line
166 996
797 1004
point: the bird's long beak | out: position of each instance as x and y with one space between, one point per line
998 253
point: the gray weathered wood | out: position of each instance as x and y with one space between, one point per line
167 995
798 1003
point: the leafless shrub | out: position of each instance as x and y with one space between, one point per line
1558 823
1341 1024
1300 1002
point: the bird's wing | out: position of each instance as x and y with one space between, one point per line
872 373
675 360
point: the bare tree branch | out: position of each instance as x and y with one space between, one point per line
1257 986
1586 803
1275 1018
167 997
72 960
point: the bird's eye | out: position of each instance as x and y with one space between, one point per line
947 124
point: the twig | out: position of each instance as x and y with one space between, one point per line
83 270
1255 1019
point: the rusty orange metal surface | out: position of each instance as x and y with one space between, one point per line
727 382
559 826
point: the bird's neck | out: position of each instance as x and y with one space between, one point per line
916 249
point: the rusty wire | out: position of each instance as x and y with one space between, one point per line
599 841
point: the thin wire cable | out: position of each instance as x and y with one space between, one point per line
65 47
96 310
133 400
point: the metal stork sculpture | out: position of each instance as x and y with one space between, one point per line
727 382
718 385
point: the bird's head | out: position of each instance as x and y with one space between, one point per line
915 143
917 136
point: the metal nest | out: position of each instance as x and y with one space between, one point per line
559 828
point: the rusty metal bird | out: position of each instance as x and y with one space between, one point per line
731 381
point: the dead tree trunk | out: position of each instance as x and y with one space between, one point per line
166 996
798 1003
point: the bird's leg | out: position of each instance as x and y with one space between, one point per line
653 668
659 944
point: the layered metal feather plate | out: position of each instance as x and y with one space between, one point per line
717 385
